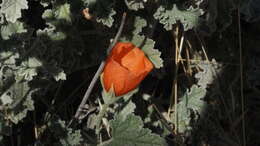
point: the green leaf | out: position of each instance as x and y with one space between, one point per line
6 99
128 109
56 17
152 54
51 32
12 28
8 58
45 3
208 73
139 24
170 16
67 136
130 131
190 106
108 20
62 12
21 94
12 9
135 4
102 9
28 68
47 14
60 76
15 93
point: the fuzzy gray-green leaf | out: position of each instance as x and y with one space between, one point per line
12 28
169 16
130 131
189 107
12 9
135 4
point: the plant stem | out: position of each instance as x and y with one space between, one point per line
241 78
99 71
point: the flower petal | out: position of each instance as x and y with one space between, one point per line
114 74
134 61
120 50
125 68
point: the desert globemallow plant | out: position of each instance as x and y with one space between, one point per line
125 68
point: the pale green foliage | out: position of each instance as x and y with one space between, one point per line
139 24
108 21
12 9
103 10
15 94
52 33
67 136
28 68
20 102
27 105
189 108
170 16
8 58
208 73
45 3
62 12
109 97
54 17
11 29
135 4
130 131
47 14
153 54
60 76
128 109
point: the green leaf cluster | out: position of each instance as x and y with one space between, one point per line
11 9
67 136
15 92
130 131
102 9
189 109
135 4
168 16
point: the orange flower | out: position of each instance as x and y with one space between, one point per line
125 68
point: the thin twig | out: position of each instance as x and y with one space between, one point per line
99 71
241 78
